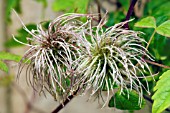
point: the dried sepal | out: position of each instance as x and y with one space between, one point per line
53 52
114 57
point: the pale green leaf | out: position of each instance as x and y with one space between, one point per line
3 66
9 56
21 36
121 101
125 4
78 6
148 22
162 95
164 29
11 4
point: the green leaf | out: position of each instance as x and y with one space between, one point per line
115 17
3 66
148 22
162 95
161 19
164 29
121 101
162 8
11 4
125 4
17 6
21 36
78 6
9 56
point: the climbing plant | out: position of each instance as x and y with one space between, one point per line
112 52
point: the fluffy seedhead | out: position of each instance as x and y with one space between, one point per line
71 55
52 53
114 58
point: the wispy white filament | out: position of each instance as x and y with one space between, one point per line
115 58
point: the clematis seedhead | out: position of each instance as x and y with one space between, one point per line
113 59
52 53
71 55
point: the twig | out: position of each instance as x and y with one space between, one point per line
99 12
150 39
157 64
129 13
61 106
148 99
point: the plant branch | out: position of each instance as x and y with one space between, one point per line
157 64
61 106
150 39
129 13
154 63
99 12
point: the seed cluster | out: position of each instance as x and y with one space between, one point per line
71 55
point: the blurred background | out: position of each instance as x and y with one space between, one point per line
18 96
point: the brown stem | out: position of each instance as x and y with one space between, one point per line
129 13
98 9
157 64
61 106
150 39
